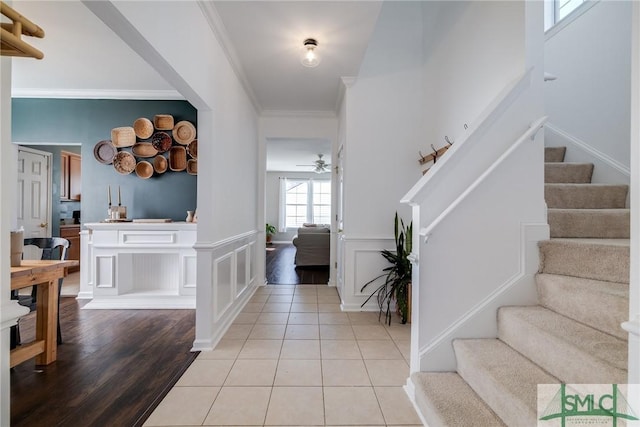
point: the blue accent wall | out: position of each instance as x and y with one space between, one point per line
87 121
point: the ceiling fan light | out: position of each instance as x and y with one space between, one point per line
310 58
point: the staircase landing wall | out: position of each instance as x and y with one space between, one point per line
480 213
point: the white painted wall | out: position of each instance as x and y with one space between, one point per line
589 104
228 177
468 60
383 132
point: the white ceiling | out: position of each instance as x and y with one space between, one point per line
285 154
85 59
267 37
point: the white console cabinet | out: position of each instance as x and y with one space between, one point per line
131 265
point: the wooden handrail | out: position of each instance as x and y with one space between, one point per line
11 43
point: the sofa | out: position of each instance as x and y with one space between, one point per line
312 246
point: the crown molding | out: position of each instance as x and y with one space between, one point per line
97 94
220 32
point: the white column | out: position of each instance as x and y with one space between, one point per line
10 311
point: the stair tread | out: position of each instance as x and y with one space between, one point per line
597 344
498 373
569 164
449 401
602 211
579 185
590 241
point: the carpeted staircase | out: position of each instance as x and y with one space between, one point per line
572 336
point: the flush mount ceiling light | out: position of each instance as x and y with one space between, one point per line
310 58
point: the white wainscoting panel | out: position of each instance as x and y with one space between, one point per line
252 261
148 237
189 275
225 283
242 268
105 271
362 262
223 277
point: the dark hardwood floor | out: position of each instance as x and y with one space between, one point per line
282 271
113 368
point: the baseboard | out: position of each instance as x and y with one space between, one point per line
123 302
358 307
210 343
410 389
85 295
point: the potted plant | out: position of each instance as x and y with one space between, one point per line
397 277
270 230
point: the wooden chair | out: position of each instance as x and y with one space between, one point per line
52 248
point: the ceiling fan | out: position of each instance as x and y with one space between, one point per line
320 166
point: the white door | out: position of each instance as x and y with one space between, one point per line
34 193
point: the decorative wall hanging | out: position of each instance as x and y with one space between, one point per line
151 147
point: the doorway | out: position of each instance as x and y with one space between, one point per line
34 192
298 187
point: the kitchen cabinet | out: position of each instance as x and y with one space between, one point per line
70 176
72 234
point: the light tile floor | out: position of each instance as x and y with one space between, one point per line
292 358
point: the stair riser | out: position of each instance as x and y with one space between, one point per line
598 262
589 223
554 154
583 300
583 196
562 359
568 173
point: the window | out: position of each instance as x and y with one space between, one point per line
565 7
296 203
557 10
306 201
321 202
